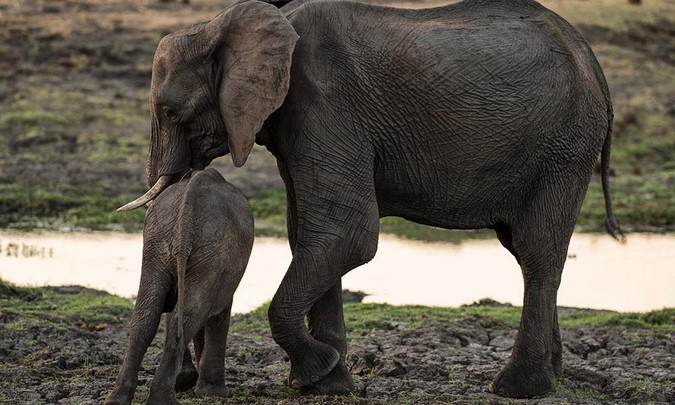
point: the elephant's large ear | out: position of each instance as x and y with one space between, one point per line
253 43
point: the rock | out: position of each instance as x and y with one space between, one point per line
349 296
502 343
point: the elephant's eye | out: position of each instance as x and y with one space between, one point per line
171 114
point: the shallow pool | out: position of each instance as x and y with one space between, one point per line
600 273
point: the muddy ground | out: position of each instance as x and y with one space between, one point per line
439 362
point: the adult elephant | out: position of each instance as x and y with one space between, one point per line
479 114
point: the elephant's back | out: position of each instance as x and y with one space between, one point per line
490 62
218 209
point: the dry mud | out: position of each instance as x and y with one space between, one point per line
440 362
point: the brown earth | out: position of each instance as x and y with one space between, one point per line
441 362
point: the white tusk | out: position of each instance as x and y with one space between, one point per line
159 186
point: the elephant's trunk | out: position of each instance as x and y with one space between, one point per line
159 186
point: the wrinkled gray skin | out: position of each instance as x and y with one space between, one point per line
197 241
479 114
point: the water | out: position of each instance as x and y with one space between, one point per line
599 273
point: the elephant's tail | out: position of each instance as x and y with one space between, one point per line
180 304
182 252
611 225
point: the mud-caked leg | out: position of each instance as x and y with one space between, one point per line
530 368
163 384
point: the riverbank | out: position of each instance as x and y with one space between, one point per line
64 345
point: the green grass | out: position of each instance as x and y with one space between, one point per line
661 319
28 306
269 213
83 120
24 206
561 387
410 230
362 317
640 202
32 303
612 14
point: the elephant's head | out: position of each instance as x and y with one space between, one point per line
213 86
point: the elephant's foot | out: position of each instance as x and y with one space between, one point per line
310 363
121 395
337 382
115 400
186 378
162 400
210 390
518 381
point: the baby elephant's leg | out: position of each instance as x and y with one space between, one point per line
145 319
211 380
187 376
162 387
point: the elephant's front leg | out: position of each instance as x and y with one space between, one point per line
326 250
301 287
327 325
333 228
326 317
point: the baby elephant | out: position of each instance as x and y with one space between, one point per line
197 241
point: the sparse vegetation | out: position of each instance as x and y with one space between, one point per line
30 306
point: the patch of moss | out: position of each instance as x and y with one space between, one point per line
662 319
54 307
363 317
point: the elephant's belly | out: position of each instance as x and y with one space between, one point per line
440 197
452 184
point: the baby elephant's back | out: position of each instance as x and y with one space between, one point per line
217 218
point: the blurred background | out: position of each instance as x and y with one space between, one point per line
74 128
74 121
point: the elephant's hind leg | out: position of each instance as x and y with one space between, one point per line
539 242
163 384
505 237
187 376
144 322
212 360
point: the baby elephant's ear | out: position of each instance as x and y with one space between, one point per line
253 43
